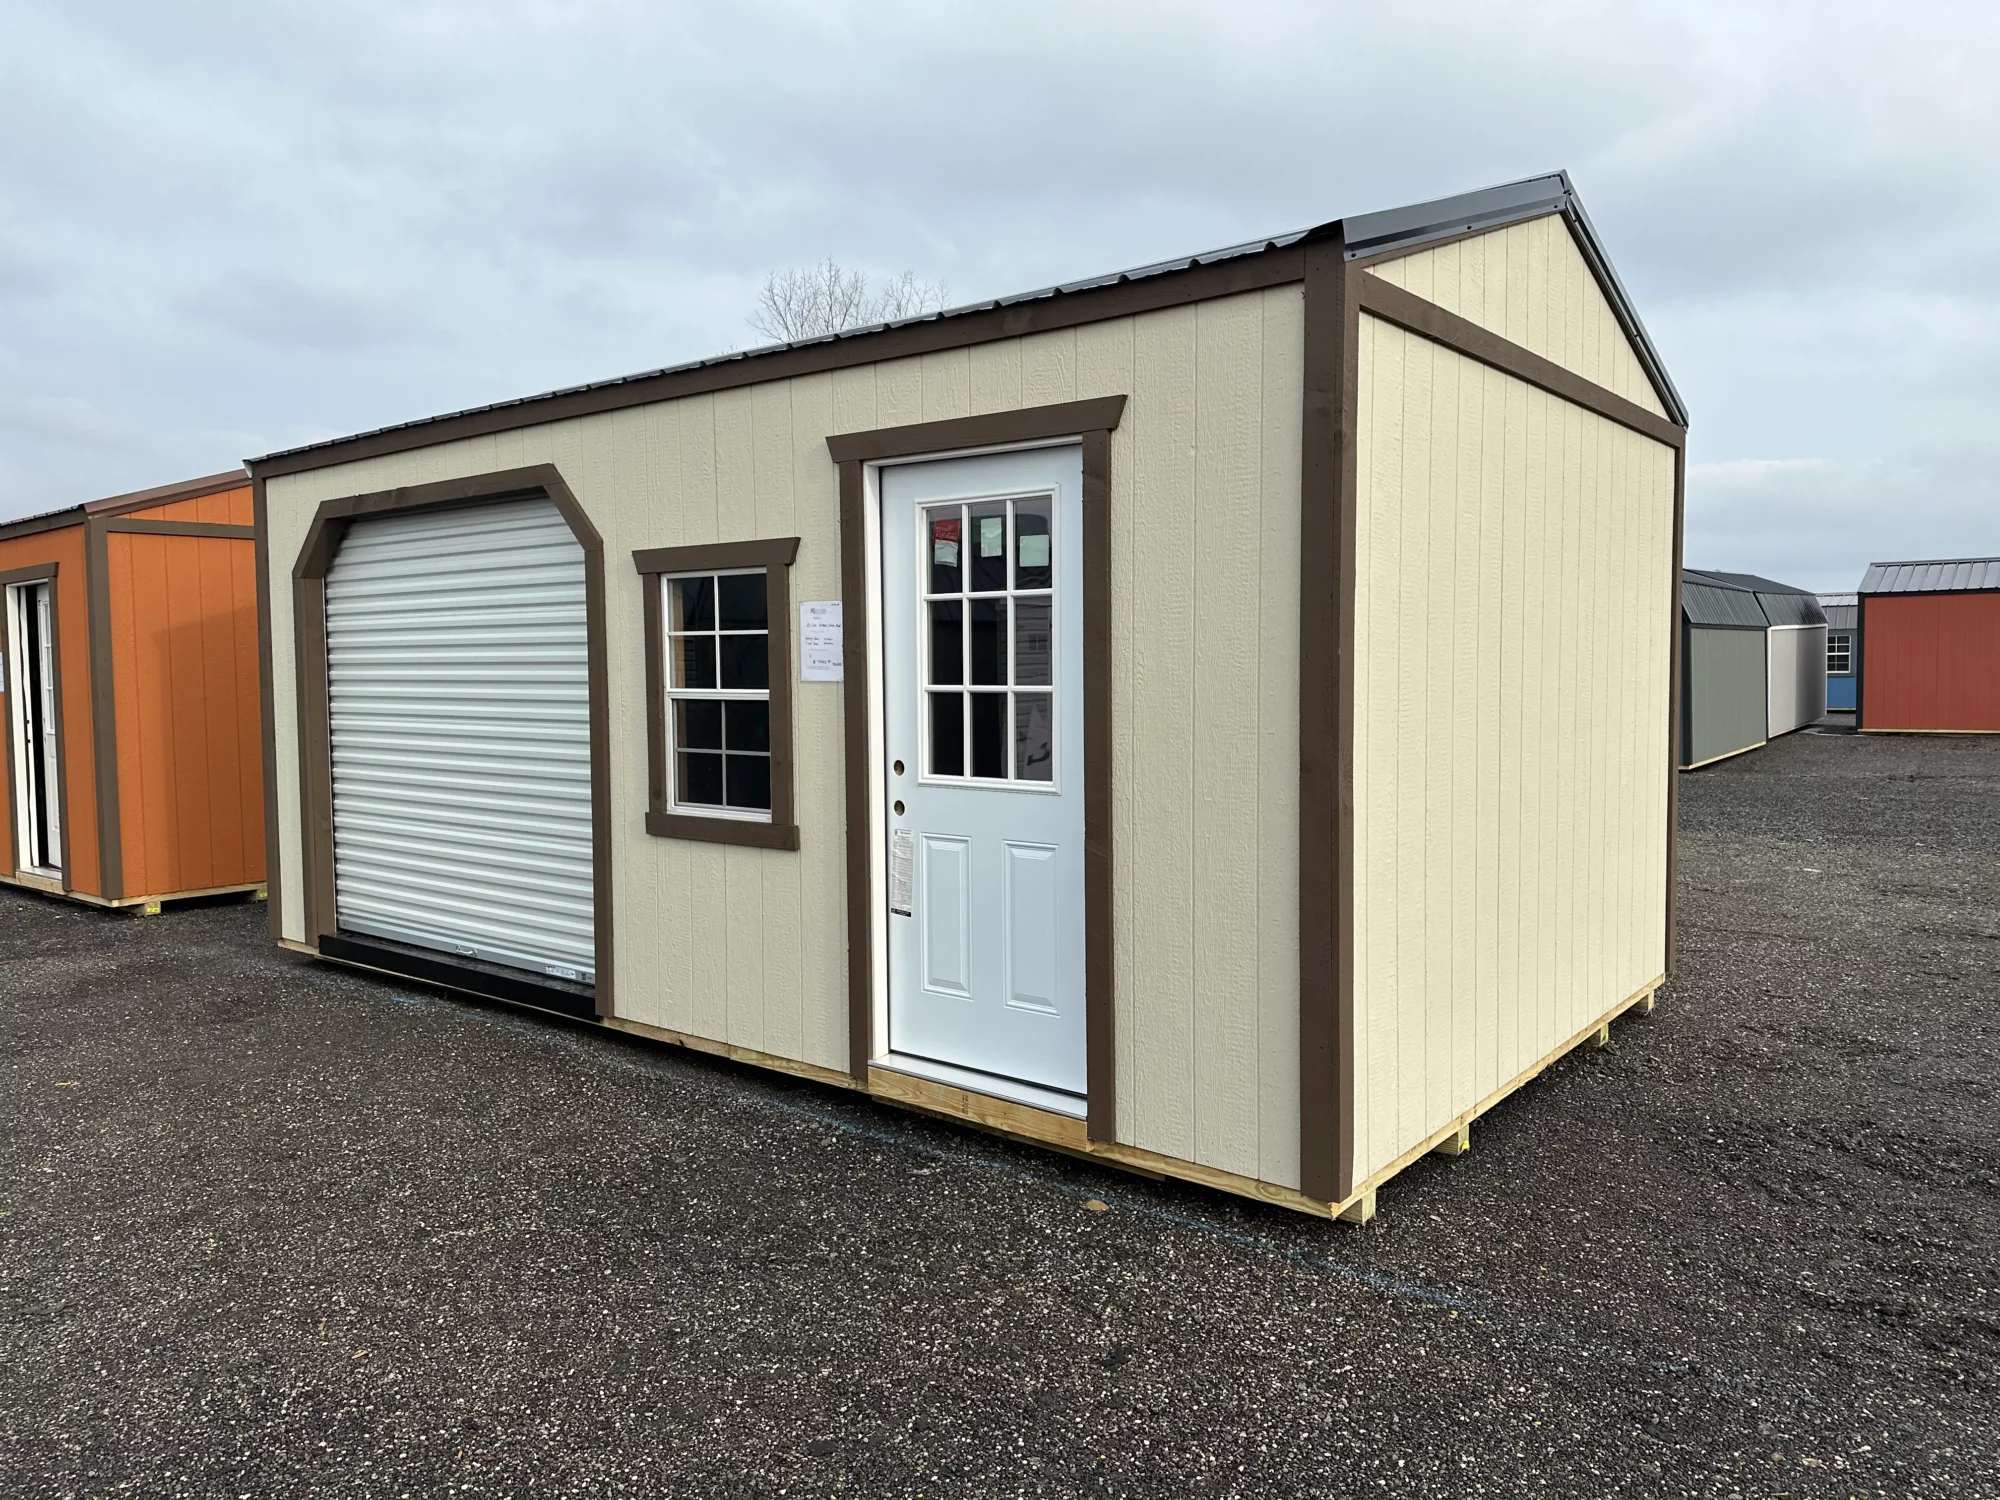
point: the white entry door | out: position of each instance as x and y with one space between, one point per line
983 681
32 706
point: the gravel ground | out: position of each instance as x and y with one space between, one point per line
276 1229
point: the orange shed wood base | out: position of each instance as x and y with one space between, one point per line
1069 1135
54 888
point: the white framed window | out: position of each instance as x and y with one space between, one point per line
988 570
719 691
1839 653
718 697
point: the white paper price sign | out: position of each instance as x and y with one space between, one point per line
820 641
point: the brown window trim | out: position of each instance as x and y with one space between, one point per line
315 749
1090 422
775 556
37 573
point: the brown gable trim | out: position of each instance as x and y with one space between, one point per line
316 554
1245 273
1032 424
1406 310
166 494
176 528
852 452
775 556
1328 487
103 711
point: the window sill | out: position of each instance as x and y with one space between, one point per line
665 825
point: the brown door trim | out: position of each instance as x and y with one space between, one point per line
1674 672
1328 482
36 573
852 452
316 554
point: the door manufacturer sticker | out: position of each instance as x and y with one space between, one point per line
992 536
902 870
944 542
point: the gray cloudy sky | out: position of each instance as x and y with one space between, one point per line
230 227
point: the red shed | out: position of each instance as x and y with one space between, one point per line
1932 634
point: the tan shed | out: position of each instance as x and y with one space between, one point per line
1217 717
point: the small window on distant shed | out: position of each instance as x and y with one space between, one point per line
1839 653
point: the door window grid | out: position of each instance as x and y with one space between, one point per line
1839 654
718 698
989 570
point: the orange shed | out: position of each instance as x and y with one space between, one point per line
129 684
1931 631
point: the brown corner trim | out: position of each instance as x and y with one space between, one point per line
1028 425
37 573
1406 310
176 528
775 556
316 554
103 711
1090 423
273 870
1328 486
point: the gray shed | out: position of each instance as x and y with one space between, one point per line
1755 654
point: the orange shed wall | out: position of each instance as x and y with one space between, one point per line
65 549
227 507
184 665
1931 661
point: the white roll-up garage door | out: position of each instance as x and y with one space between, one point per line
459 686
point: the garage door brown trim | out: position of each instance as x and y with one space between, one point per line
103 710
316 554
852 452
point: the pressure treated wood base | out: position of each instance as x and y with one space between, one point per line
150 904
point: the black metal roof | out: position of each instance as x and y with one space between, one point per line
1745 600
1942 576
1366 234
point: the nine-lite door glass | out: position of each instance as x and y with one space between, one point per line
989 602
719 693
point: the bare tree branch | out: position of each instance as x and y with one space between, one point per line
829 297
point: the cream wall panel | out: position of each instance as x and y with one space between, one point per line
1529 283
748 946
1513 628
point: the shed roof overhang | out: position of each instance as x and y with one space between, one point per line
1240 267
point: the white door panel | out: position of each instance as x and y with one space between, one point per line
983 681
